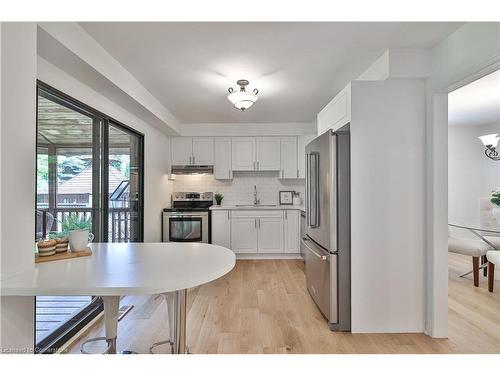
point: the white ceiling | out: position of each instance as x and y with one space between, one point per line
477 103
297 67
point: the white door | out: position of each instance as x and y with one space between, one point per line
203 151
244 235
222 159
292 231
268 153
301 153
289 158
243 153
182 150
270 234
221 228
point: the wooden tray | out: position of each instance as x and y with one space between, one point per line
66 255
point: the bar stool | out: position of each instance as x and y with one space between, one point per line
169 301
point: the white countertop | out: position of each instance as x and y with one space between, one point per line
116 269
258 207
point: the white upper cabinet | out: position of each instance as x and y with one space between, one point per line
337 113
203 151
243 154
221 228
291 225
192 151
302 142
182 150
222 158
289 158
268 153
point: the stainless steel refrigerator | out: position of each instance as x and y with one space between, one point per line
328 236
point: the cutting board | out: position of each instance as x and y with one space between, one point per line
66 255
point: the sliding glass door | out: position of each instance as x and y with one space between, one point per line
89 167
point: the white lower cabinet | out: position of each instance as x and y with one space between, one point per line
244 235
270 234
255 231
291 226
221 228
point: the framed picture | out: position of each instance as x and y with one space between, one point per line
286 198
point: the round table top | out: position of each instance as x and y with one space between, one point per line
116 269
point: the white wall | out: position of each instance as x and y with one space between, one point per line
157 187
387 206
469 53
239 190
17 198
471 175
248 129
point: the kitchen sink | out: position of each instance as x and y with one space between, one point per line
256 205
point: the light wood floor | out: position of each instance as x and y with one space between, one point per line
263 307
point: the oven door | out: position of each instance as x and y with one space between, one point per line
185 227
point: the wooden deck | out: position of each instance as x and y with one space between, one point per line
53 311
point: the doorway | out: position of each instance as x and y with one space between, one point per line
89 169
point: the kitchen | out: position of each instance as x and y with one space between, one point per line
314 254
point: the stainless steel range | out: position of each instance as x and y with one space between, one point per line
188 220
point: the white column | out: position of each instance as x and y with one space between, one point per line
17 181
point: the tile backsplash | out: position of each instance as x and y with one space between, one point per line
239 190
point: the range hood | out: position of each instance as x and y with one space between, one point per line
192 169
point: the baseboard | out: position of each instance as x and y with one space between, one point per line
260 256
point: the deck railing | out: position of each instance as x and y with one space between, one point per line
119 227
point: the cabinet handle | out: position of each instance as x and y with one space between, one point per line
259 222
286 215
297 173
255 223
228 214
258 167
194 159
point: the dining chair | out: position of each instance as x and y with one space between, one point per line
469 247
493 260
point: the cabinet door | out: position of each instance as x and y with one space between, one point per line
301 153
221 228
222 159
289 158
268 153
182 150
270 235
243 154
292 230
203 151
244 235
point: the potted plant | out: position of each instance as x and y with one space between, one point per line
78 229
495 199
218 198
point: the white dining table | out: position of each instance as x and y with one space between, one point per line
118 269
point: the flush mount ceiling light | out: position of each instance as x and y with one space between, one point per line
242 99
490 141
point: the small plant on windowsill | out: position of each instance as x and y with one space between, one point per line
218 198
495 199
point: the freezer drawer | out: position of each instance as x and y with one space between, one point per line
320 271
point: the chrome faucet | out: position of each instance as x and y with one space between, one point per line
255 200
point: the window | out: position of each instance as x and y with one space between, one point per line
90 166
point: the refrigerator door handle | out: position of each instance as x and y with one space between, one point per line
322 257
307 202
313 187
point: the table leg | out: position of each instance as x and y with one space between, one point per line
179 329
111 307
